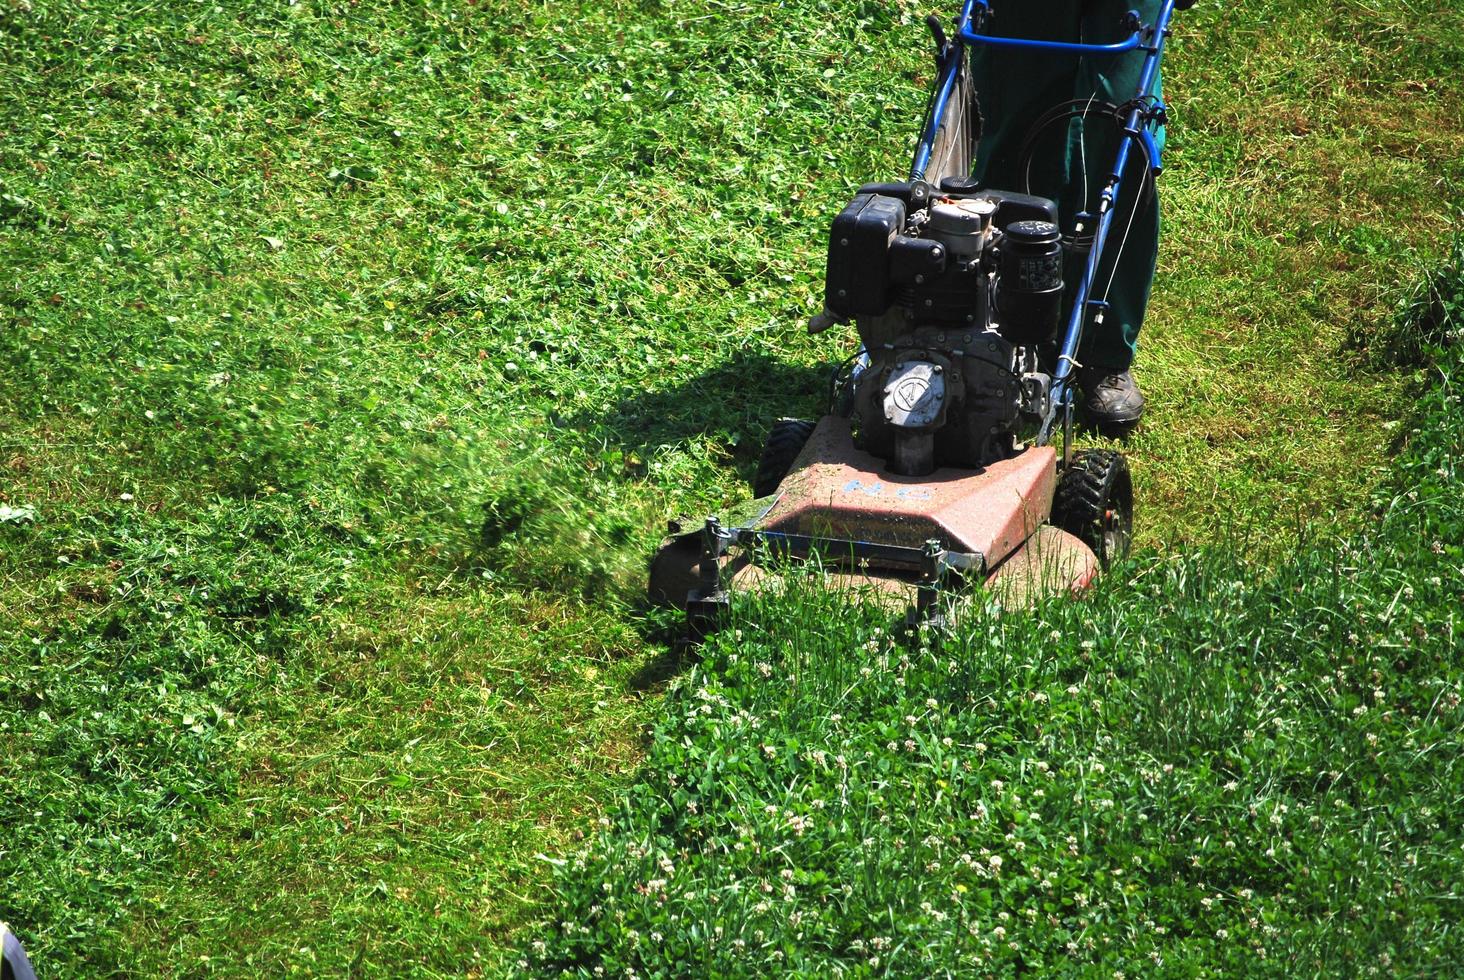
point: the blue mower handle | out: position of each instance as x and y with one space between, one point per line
1133 41
978 9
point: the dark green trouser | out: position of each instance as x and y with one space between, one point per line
1016 86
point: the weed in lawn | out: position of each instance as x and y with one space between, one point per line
1430 315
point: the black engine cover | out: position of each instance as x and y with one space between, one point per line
857 280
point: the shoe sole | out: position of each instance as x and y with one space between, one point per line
1113 428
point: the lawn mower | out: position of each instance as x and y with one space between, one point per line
935 466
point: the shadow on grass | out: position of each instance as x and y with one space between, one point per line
735 402
679 654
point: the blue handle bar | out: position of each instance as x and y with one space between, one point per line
1131 43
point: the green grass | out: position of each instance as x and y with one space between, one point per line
353 354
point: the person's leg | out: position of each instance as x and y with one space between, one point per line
1071 164
1014 86
1134 241
1112 398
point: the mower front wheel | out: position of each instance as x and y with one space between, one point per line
784 444
1094 502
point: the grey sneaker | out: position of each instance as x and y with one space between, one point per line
1112 402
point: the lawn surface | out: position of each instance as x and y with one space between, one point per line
353 354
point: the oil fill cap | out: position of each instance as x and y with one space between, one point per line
1033 232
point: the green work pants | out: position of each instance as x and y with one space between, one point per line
1015 86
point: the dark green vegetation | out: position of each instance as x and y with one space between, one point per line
351 354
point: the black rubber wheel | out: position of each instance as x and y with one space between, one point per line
784 444
1095 503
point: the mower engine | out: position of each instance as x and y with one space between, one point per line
954 291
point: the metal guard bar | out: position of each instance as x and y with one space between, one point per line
1117 47
801 545
992 40
706 601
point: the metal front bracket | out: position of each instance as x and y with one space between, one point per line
933 561
708 600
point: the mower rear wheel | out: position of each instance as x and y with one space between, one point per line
784 444
1094 502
